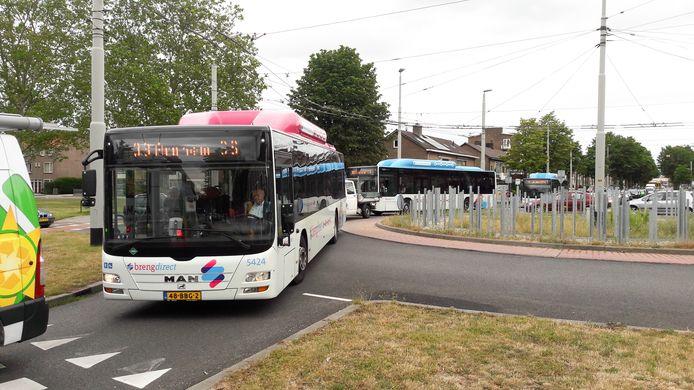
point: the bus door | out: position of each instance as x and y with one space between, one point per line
287 239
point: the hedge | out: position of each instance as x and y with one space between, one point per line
65 185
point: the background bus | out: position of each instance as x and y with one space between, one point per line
406 177
541 182
179 217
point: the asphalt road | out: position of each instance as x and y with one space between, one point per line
180 344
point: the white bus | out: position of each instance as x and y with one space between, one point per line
184 219
406 177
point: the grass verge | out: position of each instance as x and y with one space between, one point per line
71 263
397 346
527 231
63 207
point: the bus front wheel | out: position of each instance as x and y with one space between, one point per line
334 239
303 261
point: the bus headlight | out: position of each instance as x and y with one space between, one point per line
257 276
111 278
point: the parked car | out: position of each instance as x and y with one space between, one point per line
665 200
46 218
573 198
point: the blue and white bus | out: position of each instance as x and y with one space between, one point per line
406 177
225 205
539 183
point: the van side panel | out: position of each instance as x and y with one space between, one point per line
22 316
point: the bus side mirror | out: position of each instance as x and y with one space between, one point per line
89 183
88 188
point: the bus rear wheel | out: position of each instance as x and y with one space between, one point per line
303 261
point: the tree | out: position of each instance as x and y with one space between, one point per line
682 175
671 157
628 163
529 146
43 57
340 94
158 59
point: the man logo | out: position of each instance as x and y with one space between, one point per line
181 278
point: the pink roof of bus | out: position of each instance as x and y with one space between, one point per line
284 121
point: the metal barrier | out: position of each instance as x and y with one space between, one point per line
563 216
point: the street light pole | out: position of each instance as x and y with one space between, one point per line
547 149
483 139
400 112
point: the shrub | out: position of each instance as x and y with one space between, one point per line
65 185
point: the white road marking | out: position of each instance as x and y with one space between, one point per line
2 366
22 384
50 324
89 361
141 380
46 345
328 297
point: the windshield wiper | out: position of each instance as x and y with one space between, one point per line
136 240
243 244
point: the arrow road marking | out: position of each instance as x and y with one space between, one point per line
22 384
89 361
328 297
46 345
141 380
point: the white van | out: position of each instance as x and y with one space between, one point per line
351 197
23 308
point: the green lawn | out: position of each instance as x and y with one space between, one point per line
71 263
62 207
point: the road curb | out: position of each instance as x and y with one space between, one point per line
90 289
214 379
600 248
210 382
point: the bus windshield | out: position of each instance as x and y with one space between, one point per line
194 207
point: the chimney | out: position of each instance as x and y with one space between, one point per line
417 129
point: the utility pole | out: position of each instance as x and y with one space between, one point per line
483 139
600 136
400 113
547 149
97 127
214 87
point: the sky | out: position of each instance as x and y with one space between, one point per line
536 57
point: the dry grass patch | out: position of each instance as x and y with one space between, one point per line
71 262
392 346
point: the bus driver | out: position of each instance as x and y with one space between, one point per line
258 207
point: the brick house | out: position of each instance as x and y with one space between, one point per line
420 146
44 168
498 144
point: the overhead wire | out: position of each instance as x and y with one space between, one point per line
654 49
525 52
361 18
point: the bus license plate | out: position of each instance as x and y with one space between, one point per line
182 295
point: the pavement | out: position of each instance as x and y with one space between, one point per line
373 228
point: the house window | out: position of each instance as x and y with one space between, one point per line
42 153
29 167
506 143
444 159
48 167
395 144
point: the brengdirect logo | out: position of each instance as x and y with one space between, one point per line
151 267
212 274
